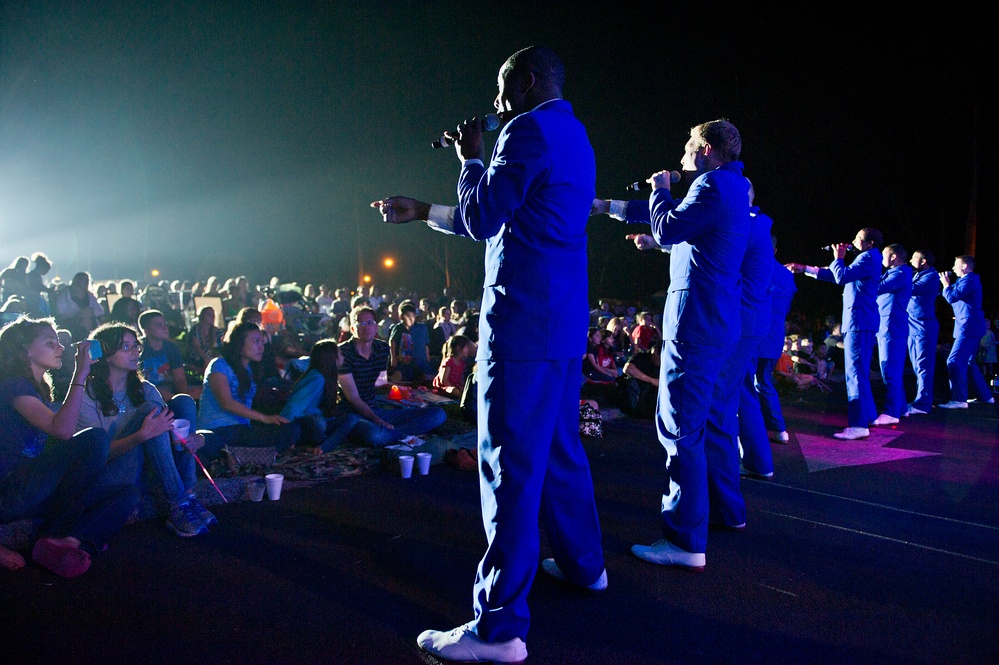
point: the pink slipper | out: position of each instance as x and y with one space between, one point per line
63 560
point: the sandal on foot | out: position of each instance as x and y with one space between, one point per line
63 560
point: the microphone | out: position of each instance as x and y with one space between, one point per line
674 177
490 122
827 248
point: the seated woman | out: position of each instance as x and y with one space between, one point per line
48 470
227 398
598 364
140 425
203 340
450 378
313 401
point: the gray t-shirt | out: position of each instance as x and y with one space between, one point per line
92 416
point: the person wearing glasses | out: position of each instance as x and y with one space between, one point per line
132 412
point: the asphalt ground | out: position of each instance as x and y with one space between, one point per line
881 551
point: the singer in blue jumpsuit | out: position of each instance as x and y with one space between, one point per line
757 268
708 231
923 328
894 291
530 205
965 297
860 322
782 290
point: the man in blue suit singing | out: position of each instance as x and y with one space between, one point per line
965 296
530 205
923 329
707 231
861 321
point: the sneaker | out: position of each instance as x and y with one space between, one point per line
550 567
749 473
666 553
853 433
184 522
884 419
954 405
913 411
206 516
462 645
991 400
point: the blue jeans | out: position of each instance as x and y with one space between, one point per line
408 421
59 487
327 433
174 470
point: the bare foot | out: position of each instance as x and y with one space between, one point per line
10 560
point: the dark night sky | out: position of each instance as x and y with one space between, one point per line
222 138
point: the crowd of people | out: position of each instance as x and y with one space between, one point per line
89 399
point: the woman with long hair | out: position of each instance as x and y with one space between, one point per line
48 469
313 401
203 339
227 398
140 424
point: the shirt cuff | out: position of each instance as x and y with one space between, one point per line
618 210
473 161
812 271
441 218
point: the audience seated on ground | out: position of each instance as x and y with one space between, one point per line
203 340
161 362
455 365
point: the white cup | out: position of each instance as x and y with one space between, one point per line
274 483
423 460
406 466
256 489
182 428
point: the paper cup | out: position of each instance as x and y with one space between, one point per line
406 466
274 483
182 428
256 489
423 461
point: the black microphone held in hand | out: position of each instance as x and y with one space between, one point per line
827 248
674 177
490 122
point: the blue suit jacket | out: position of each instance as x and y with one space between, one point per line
757 265
782 290
531 206
860 290
921 308
708 231
894 291
965 296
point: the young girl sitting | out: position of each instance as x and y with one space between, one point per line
450 377
313 401
48 469
140 424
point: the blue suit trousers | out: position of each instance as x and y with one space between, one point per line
530 459
891 355
923 356
756 455
688 374
858 349
773 417
961 364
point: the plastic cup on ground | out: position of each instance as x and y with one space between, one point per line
256 489
423 461
274 483
406 466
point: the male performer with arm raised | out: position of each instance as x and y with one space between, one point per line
894 291
965 297
531 206
860 323
708 232
923 329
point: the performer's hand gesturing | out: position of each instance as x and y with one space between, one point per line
401 209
